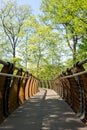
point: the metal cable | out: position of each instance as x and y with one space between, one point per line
10 75
70 76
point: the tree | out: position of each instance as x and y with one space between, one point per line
27 32
42 48
12 18
68 15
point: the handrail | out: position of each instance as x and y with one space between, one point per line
7 63
11 75
83 62
73 75
80 63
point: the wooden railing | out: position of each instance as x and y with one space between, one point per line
16 86
71 85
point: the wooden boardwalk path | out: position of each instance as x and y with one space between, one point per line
44 111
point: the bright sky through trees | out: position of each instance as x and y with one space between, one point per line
35 4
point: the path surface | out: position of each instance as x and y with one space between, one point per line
44 111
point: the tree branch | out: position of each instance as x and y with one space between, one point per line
67 38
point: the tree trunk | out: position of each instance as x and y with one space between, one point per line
38 62
39 56
74 48
14 53
14 50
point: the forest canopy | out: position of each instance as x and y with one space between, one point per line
45 44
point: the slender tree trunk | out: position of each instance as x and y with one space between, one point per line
75 39
74 48
26 56
38 62
14 52
39 57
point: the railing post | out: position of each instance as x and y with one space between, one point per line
13 101
21 93
82 82
65 89
4 90
75 102
27 86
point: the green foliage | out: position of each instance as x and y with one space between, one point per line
82 52
66 12
42 46
47 72
68 15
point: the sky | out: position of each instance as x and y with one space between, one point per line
35 5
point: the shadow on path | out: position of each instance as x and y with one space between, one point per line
44 111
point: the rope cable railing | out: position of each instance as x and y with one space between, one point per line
7 63
17 76
73 75
11 75
80 63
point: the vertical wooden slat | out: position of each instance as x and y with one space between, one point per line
82 81
21 93
4 90
13 101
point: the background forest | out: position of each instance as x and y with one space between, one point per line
47 44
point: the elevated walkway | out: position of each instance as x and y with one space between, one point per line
44 111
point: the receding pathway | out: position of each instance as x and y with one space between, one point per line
44 111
